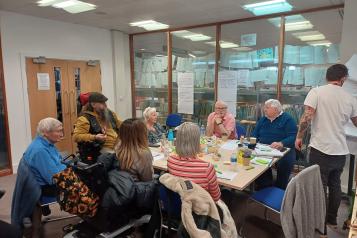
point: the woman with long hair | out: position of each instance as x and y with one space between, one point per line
132 150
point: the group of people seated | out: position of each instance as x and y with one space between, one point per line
99 130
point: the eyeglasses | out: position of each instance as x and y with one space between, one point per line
220 108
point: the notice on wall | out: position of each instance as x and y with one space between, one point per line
243 79
185 93
248 39
43 81
227 89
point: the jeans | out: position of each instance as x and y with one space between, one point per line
284 167
331 168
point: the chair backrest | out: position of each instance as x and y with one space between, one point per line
173 120
241 131
170 201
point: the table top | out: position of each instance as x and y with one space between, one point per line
244 177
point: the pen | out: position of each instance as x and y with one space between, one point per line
271 161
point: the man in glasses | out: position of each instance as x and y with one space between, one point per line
221 123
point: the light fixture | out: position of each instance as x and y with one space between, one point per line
319 43
309 35
150 25
242 48
223 44
71 6
292 23
197 37
192 55
268 7
182 33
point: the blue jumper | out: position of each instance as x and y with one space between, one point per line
44 160
281 129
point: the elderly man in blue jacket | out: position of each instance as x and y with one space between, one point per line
277 129
40 162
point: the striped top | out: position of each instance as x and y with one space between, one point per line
196 170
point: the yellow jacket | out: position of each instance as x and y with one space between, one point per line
81 130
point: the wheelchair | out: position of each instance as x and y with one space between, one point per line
108 222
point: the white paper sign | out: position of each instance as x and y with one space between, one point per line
243 78
43 81
227 89
248 39
185 93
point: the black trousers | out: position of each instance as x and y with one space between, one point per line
331 168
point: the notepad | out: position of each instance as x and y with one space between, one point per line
228 175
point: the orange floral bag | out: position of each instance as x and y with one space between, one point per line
74 196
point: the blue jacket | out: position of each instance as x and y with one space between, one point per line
26 194
44 160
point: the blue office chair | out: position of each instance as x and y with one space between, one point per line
273 198
241 131
173 120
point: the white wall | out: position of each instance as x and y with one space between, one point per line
122 84
31 36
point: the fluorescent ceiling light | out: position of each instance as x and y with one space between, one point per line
319 42
268 7
192 55
223 44
309 35
71 6
293 23
197 37
150 25
182 33
46 3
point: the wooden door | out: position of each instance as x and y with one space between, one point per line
81 79
51 101
67 78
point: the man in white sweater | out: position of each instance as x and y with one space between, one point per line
329 108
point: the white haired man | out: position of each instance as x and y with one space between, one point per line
221 122
277 129
42 156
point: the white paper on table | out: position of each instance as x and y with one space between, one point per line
230 145
229 175
158 157
266 150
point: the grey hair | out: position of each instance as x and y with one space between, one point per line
274 103
46 125
188 140
148 111
221 102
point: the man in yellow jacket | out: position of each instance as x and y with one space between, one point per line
96 129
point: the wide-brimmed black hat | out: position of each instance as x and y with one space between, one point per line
97 97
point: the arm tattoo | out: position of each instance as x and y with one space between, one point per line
305 121
354 120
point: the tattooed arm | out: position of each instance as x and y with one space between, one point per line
304 124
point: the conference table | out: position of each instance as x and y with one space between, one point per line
236 175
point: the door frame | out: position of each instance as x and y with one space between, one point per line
9 170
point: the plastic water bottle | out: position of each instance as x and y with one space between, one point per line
202 130
170 136
234 158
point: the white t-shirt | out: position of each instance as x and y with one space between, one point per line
333 109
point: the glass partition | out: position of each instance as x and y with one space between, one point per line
193 57
151 84
312 43
249 56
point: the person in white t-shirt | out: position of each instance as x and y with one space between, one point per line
329 108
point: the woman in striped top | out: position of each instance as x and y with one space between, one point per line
186 164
